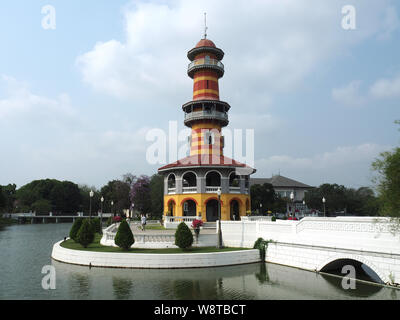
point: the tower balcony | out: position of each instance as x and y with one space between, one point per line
205 63
206 115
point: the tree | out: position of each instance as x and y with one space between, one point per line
124 237
388 182
118 192
264 195
140 194
157 195
41 206
75 228
85 234
183 236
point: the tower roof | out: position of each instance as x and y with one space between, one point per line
205 43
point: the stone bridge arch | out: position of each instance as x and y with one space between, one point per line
357 258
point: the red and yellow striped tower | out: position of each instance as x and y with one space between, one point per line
191 184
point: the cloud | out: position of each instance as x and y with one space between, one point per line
386 88
20 102
349 95
346 165
271 46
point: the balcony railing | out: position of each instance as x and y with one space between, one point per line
171 190
234 189
212 189
189 189
201 115
207 62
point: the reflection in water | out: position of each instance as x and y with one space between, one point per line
122 288
80 286
362 290
25 249
262 276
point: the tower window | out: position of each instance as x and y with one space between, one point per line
207 84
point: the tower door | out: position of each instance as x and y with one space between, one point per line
235 216
212 210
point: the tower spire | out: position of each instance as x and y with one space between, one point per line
205 25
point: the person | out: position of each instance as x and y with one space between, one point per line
143 220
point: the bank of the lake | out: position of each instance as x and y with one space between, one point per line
25 249
4 222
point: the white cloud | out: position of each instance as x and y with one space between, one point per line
386 88
348 165
270 45
349 95
20 102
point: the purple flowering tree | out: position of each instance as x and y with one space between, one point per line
140 194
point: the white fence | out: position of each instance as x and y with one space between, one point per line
173 222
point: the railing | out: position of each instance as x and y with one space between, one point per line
180 219
212 189
197 115
189 189
234 189
256 218
207 62
171 190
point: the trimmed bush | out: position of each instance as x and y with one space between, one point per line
124 237
183 236
96 226
85 234
75 228
273 218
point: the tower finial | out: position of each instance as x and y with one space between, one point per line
205 25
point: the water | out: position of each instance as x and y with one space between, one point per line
25 249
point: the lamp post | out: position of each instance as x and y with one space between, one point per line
101 215
112 208
219 246
304 207
260 209
91 194
323 201
292 198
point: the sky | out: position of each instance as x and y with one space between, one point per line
78 101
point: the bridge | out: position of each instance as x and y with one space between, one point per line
319 244
51 218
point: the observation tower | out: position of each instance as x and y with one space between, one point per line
191 184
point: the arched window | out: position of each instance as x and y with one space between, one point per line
213 179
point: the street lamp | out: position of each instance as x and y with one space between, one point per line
260 209
292 198
91 194
323 201
304 207
101 215
219 246
112 207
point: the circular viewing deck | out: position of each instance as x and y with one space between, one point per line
199 64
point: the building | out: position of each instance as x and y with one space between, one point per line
284 186
191 184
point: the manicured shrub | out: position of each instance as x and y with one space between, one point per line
85 234
124 237
75 228
183 236
109 221
273 218
95 224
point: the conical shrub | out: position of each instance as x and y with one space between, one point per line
75 228
183 236
124 237
85 234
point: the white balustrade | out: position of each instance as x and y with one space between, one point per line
189 189
171 190
212 189
234 189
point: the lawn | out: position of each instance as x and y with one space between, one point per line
96 246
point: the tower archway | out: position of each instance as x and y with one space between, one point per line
189 208
212 210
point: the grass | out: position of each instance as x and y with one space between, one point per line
97 247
